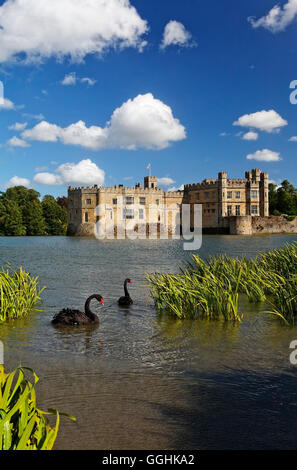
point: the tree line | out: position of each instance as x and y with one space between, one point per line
283 199
22 213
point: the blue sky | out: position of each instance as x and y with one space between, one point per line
137 103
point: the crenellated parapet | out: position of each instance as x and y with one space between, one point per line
225 202
131 190
172 194
206 184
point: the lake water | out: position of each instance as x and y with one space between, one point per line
138 381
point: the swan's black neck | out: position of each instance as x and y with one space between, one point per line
125 289
88 311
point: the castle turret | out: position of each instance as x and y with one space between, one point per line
150 182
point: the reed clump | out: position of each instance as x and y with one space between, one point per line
22 425
19 293
211 288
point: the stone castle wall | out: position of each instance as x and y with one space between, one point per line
217 197
273 224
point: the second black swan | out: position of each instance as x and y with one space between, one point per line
68 316
126 299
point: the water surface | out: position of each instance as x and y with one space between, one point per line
138 381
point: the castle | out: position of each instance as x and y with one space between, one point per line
228 205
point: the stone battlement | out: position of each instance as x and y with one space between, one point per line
226 203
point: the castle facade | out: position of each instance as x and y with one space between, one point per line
227 204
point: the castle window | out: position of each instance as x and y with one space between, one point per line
237 195
86 217
157 202
254 194
89 201
213 211
206 195
141 214
128 200
254 210
237 210
229 210
142 201
229 194
115 201
128 213
197 196
111 215
213 195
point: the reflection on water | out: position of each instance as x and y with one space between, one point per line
140 381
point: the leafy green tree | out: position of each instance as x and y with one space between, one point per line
33 218
55 216
22 213
11 223
283 199
31 209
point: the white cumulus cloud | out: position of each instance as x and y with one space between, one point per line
43 132
17 181
142 122
85 172
264 156
6 104
69 79
176 34
293 138
67 28
250 136
268 121
165 181
17 142
278 18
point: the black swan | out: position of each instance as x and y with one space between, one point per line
126 299
75 317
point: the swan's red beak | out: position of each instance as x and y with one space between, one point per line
131 282
101 302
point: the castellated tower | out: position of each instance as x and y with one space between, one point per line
150 182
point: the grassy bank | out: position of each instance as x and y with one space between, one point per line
19 293
22 425
211 288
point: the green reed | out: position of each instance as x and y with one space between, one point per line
211 288
19 293
22 425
